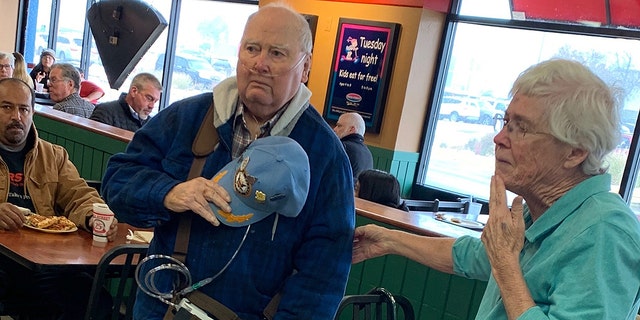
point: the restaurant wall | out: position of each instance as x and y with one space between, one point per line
396 148
8 24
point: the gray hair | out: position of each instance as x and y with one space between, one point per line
299 23
144 78
70 72
580 108
8 56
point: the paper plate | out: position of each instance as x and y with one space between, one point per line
74 229
475 225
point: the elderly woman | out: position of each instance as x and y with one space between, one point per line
572 249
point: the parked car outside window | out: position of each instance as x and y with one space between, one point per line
197 69
459 109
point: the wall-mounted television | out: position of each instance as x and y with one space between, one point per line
123 31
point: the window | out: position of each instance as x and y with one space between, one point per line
38 39
485 58
203 47
207 45
96 71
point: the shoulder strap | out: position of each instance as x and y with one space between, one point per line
204 143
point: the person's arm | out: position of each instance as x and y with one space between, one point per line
372 241
73 195
94 91
95 95
137 181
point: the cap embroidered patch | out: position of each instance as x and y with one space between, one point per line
271 176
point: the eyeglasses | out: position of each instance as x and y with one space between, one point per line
54 80
517 130
279 62
6 66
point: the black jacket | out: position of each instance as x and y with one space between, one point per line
117 114
359 155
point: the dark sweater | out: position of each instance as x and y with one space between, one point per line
359 155
117 114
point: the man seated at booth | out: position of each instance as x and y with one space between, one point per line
64 87
350 129
39 176
133 109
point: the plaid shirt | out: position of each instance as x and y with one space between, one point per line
75 105
241 134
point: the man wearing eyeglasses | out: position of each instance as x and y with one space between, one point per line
133 109
6 65
64 87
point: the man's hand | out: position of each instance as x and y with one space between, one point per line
113 229
195 195
11 218
40 75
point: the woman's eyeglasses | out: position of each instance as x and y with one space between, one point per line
518 130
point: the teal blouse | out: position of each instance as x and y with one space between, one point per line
580 260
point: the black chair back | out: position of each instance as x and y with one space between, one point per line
438 205
120 277
377 304
422 205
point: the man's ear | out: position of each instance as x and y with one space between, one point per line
307 69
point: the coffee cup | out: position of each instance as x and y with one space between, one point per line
102 219
39 87
474 211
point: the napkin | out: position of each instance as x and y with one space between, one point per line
140 236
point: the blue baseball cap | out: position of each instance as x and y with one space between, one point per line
271 176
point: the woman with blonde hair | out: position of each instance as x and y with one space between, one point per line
20 70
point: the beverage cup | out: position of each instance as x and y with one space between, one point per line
39 87
102 219
474 211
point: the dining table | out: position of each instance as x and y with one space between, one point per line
38 251
427 223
